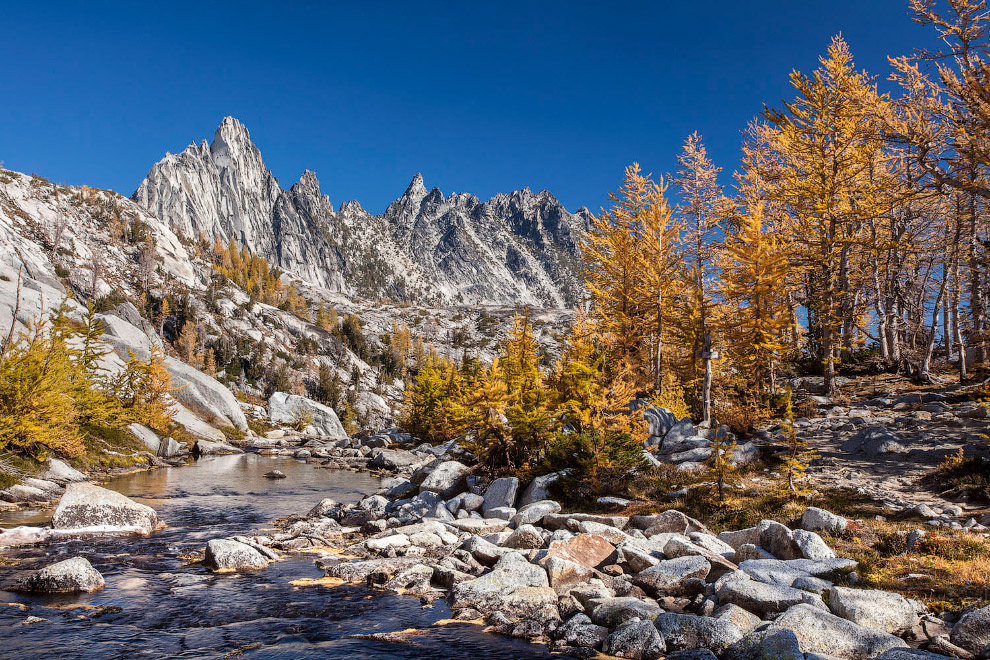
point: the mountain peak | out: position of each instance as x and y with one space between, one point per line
232 130
416 187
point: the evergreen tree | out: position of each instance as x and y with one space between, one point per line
753 284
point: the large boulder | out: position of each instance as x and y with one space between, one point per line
882 610
514 587
811 545
874 441
539 488
501 493
205 447
206 396
167 448
972 631
636 639
579 631
764 599
668 577
291 409
446 480
86 505
534 512
820 520
393 459
61 472
230 555
819 631
611 612
70 576
685 631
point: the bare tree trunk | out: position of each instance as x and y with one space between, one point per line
706 386
13 318
926 360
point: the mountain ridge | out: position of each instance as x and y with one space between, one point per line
428 248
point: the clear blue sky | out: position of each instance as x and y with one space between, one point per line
480 97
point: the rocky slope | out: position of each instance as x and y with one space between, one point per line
518 248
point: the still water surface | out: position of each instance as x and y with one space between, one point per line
168 609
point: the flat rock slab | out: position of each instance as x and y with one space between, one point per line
819 631
86 505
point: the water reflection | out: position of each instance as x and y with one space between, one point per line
157 605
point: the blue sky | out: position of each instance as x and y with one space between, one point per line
479 97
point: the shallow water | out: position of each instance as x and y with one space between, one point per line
170 609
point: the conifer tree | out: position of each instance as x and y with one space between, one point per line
753 284
824 145
702 210
481 416
630 263
528 415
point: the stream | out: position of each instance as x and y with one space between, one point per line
157 605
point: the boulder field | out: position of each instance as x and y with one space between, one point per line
642 586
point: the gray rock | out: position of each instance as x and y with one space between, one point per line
811 545
480 525
325 508
874 441
514 587
737 616
781 645
749 552
289 409
741 537
910 654
505 513
972 631
393 459
360 571
777 571
820 631
674 521
525 537
204 447
579 631
539 489
778 540
61 472
668 577
24 493
228 555
70 576
612 612
636 639
500 493
466 502
534 512
820 520
447 479
872 608
86 505
660 420
764 599
692 654
685 631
